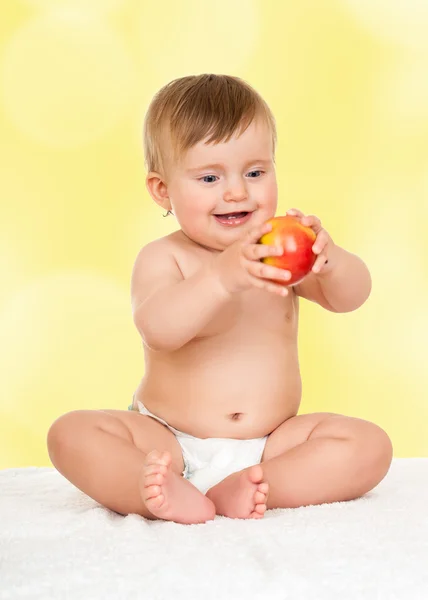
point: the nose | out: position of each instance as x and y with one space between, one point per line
236 191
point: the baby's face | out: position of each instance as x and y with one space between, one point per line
241 179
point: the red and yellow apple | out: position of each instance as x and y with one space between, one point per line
296 241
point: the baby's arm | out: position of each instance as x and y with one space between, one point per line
168 310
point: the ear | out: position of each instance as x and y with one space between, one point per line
158 190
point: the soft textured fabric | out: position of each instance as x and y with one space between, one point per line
207 461
56 543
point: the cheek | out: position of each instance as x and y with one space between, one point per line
274 186
194 200
271 195
183 198
190 209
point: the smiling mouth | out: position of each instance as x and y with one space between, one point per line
234 215
234 219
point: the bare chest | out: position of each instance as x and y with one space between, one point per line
252 310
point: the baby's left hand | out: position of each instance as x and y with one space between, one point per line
323 244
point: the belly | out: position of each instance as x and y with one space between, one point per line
242 394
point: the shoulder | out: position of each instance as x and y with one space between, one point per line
155 266
160 247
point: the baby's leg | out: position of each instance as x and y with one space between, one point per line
324 457
128 462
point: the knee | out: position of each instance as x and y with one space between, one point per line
62 431
384 449
376 447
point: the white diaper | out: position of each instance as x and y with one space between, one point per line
208 461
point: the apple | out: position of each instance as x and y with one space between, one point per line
296 241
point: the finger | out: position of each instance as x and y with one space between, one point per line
320 263
312 221
321 242
256 233
259 269
295 212
258 251
269 286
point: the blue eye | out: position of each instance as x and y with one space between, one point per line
205 176
214 176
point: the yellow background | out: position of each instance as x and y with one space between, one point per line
347 82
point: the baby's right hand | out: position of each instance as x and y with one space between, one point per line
239 267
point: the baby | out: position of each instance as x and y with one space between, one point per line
213 427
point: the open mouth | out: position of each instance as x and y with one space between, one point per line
235 218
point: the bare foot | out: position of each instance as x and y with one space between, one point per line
242 495
170 497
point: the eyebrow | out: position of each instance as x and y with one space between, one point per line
259 161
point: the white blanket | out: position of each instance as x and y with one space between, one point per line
57 543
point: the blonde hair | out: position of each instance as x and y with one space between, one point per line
188 109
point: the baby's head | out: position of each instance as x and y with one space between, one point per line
209 145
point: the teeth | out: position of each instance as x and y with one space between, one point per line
233 215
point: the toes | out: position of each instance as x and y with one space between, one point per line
255 515
255 474
158 458
260 509
263 487
259 498
153 479
155 468
152 491
152 457
155 503
166 458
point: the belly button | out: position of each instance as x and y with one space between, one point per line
235 416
